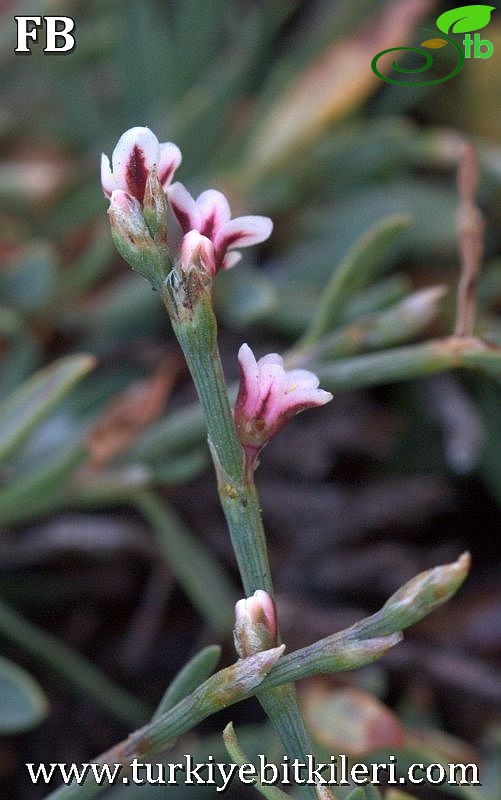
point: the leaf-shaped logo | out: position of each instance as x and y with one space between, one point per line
434 44
465 19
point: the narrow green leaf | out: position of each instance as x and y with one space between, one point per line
193 564
189 678
181 468
387 366
75 669
408 363
486 360
39 490
23 704
238 756
414 600
21 412
355 271
393 325
179 431
362 793
357 794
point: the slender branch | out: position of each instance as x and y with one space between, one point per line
269 669
195 326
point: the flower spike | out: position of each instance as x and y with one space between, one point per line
136 153
210 215
268 395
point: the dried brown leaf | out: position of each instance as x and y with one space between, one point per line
130 412
334 84
350 720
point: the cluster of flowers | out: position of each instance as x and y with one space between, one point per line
268 394
206 222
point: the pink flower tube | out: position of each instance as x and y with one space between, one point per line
268 395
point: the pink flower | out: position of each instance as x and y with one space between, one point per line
137 152
210 215
255 624
268 395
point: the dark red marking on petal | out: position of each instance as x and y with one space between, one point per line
261 411
232 239
224 245
183 218
209 227
136 173
165 176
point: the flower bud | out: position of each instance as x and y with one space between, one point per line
255 624
155 209
197 252
132 237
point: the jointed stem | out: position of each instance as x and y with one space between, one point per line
196 330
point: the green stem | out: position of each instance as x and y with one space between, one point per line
196 331
72 667
198 339
228 686
270 669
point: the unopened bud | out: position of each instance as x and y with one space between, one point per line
420 308
132 237
155 209
197 253
255 624
426 591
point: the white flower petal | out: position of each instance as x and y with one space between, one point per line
184 207
136 152
169 160
230 259
302 379
214 210
107 180
307 398
271 358
248 394
243 232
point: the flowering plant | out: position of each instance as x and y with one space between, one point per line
138 183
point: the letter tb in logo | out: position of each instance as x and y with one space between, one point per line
58 34
458 20
482 48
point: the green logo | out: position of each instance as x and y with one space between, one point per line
458 20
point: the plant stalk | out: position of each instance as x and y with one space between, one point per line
195 326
